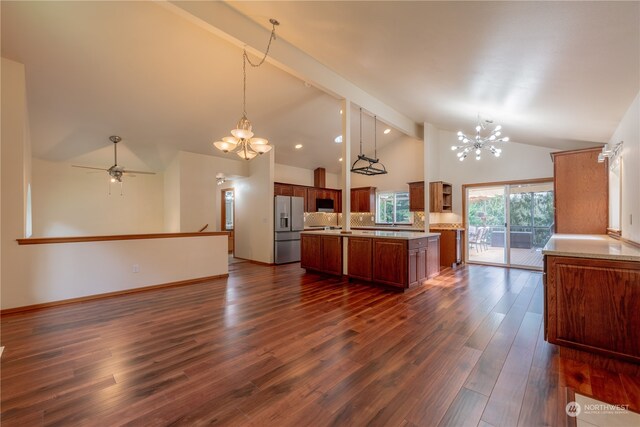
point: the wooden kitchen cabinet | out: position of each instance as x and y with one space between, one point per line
321 253
448 246
593 306
390 262
400 263
363 199
581 192
440 197
360 258
416 196
282 189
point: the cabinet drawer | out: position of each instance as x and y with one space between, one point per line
418 243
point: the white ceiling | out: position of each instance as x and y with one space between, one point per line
553 74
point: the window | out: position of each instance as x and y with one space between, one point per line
393 208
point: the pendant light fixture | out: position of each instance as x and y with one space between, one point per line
479 142
242 141
366 165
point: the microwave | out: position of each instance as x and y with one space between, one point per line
324 205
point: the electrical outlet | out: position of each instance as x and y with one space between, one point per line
136 268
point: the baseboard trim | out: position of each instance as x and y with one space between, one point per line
44 305
256 262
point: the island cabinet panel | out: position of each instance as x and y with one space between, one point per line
433 256
321 253
332 254
360 258
593 305
390 262
311 252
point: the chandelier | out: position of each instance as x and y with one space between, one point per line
242 142
479 142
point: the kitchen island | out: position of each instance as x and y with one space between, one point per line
592 299
395 258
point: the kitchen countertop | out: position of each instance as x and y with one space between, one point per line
401 235
591 246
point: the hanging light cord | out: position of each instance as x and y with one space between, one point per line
245 59
375 137
360 130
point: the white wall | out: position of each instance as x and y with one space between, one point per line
199 192
300 176
403 159
254 211
518 161
172 196
15 168
54 272
629 131
70 201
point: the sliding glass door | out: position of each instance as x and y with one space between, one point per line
509 224
486 219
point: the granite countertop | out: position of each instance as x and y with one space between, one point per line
591 246
401 235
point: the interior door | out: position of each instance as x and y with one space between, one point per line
227 215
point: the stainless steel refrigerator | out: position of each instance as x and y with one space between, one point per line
289 222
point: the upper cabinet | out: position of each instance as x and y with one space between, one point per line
363 199
581 192
310 195
440 197
416 196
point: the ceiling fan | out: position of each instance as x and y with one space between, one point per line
116 171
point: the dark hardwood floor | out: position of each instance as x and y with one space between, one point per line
275 346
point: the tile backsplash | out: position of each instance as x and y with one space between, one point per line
320 219
367 219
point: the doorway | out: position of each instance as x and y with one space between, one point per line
508 223
227 215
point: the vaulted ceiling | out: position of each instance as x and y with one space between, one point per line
559 75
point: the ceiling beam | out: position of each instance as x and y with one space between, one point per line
229 24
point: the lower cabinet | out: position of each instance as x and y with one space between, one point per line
394 262
321 253
390 261
593 305
360 258
424 259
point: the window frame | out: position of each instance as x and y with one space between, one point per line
395 204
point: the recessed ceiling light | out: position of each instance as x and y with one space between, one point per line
340 159
298 146
386 131
338 139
